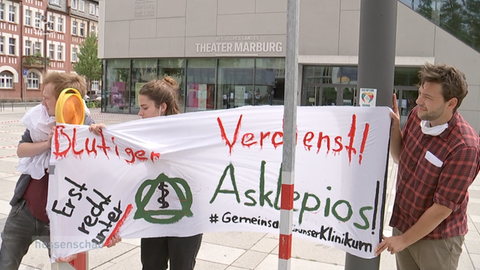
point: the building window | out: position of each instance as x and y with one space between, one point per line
11 13
96 12
95 85
270 80
143 71
33 80
59 52
11 46
74 28
51 51
55 2
201 85
38 18
74 54
176 69
235 84
51 22
92 9
28 17
117 80
6 80
81 5
2 49
28 47
82 29
92 29
60 25
74 4
341 93
2 11
37 49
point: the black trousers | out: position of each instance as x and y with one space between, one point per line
181 251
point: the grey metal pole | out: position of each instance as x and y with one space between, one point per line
376 68
289 130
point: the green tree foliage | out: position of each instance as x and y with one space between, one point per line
88 64
473 22
425 7
452 19
460 18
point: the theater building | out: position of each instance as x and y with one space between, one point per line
231 53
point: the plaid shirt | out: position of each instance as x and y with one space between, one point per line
436 169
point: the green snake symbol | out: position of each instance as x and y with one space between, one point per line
186 200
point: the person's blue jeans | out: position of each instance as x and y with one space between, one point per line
20 230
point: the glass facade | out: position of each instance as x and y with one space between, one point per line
347 75
142 72
116 98
223 83
200 92
458 17
176 69
337 85
329 85
407 76
330 75
235 82
205 84
406 85
269 81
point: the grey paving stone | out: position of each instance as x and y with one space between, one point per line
206 265
243 240
265 245
472 242
302 249
97 257
219 254
473 209
250 259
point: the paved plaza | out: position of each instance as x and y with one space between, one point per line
226 250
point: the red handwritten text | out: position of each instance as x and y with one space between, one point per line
311 140
65 143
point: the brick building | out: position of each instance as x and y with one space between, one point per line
37 36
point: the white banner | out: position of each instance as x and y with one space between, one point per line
220 171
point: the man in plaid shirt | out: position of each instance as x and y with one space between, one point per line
438 156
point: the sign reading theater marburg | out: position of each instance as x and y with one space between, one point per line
239 45
220 171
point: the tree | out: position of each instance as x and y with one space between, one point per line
458 17
425 7
88 64
452 19
473 22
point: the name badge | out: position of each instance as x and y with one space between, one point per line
433 159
